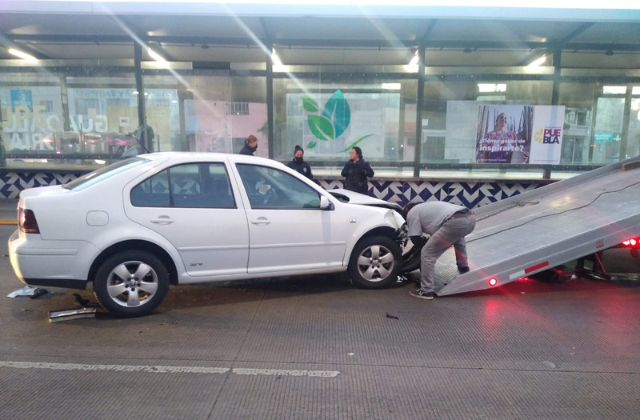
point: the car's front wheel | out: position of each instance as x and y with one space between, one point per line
375 262
411 258
131 283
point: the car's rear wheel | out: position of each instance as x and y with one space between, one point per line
375 262
131 283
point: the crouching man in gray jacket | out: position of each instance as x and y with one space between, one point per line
447 224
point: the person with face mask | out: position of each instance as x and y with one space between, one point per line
356 171
250 147
298 163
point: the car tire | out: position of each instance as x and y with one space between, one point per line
411 259
375 262
131 283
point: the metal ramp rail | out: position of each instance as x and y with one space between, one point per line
547 227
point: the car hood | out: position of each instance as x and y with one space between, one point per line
346 196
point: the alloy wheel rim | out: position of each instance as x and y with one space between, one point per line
132 284
376 263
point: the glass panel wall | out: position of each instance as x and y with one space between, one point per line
80 114
329 114
207 111
578 99
633 142
66 117
451 111
594 129
457 117
102 113
32 112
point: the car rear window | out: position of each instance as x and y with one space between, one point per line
101 174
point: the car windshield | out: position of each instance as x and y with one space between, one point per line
101 174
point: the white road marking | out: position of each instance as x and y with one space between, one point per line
169 369
113 368
278 372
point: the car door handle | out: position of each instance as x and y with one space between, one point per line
162 220
261 221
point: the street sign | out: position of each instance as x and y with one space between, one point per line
600 137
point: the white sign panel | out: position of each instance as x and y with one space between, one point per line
461 130
546 146
330 125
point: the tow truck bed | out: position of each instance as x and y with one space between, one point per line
547 227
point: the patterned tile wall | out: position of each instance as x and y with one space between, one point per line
470 194
11 183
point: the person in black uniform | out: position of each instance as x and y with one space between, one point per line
250 147
298 163
356 171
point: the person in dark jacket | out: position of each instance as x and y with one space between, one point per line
356 171
298 163
250 147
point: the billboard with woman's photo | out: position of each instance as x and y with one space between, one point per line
504 133
519 134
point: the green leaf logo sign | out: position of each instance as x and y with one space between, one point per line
337 110
333 121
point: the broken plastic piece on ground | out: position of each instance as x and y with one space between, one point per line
25 291
68 314
39 292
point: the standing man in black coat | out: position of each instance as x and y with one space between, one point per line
298 163
250 147
356 171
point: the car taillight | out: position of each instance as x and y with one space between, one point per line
27 221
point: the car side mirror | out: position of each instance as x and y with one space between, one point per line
325 203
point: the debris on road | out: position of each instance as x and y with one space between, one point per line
83 302
25 291
69 314
39 292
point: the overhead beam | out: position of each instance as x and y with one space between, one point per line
580 29
36 52
265 29
427 33
160 50
339 43
558 45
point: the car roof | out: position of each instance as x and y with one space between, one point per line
204 156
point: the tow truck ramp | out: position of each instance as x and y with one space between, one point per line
547 227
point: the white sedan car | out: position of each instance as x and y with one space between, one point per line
135 227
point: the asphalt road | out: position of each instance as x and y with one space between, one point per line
316 348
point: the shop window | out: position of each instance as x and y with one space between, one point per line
239 108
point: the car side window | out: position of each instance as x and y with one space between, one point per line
269 188
152 192
194 185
